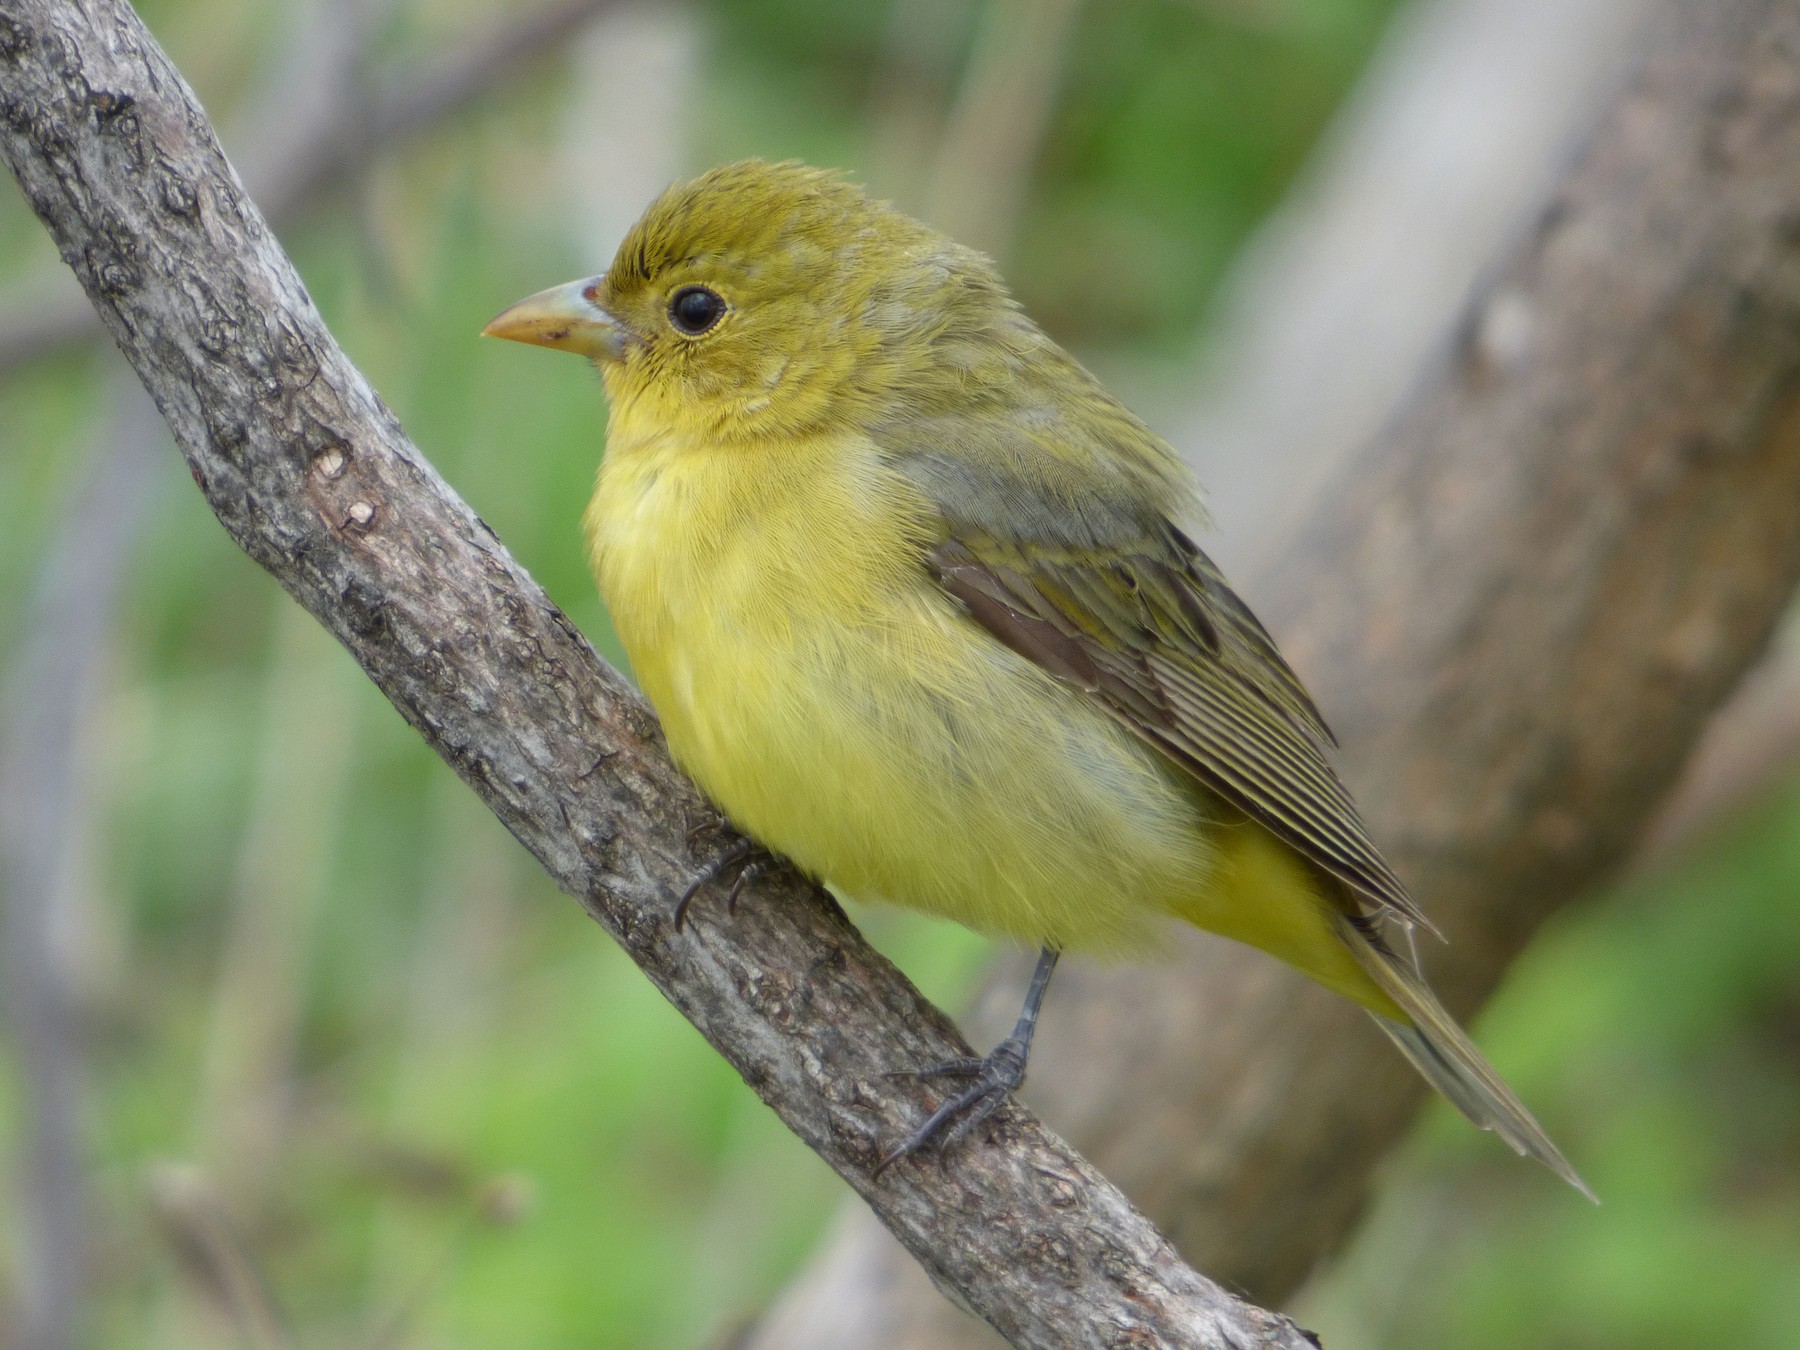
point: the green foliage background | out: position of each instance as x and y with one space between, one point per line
328 995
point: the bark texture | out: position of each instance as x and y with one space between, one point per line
314 478
1518 609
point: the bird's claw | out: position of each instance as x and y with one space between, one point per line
996 1077
743 851
711 825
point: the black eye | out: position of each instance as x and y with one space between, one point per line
695 309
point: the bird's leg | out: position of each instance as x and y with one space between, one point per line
744 851
995 1075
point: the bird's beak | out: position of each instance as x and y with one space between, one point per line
565 317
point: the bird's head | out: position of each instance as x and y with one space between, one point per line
766 299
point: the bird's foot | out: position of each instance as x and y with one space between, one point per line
991 1080
751 862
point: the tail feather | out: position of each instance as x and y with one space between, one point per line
1448 1059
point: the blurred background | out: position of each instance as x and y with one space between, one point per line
303 1050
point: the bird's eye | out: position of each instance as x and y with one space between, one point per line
694 309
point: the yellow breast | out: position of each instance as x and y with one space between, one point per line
723 565
836 705
827 695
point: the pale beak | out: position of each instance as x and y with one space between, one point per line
564 317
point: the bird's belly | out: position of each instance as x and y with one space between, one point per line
910 758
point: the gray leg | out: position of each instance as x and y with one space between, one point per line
996 1076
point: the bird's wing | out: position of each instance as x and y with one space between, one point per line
1135 614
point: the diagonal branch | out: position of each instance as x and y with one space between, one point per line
313 477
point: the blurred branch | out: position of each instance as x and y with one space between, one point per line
1519 608
312 476
1749 749
320 88
458 957
305 752
48 702
635 81
453 83
215 1256
500 1202
1456 134
909 88
982 169
291 174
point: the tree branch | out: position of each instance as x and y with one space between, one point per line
1518 609
313 477
46 317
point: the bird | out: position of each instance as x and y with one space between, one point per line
918 604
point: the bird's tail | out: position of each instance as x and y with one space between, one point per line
1448 1059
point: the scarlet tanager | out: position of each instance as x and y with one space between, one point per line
912 595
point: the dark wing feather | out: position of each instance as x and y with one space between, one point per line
1161 642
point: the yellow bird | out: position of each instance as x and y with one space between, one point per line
912 596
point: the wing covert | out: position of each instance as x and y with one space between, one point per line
1054 529
1163 644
